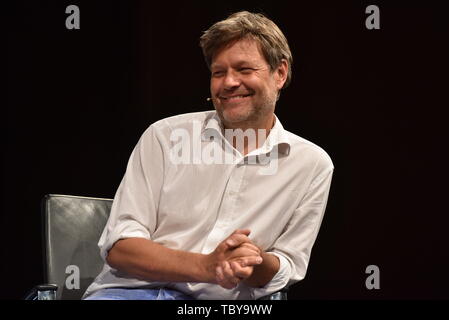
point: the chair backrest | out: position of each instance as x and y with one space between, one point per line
73 226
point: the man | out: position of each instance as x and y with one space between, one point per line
219 224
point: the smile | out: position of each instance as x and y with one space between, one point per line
234 98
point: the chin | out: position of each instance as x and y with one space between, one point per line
235 114
232 116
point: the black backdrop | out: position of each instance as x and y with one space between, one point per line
78 101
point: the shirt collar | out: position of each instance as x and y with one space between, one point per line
212 122
278 135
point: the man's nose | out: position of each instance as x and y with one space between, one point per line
231 80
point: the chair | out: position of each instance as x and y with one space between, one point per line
72 228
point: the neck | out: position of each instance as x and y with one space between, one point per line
250 131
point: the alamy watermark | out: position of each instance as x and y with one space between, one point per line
73 20
73 279
373 20
373 280
188 147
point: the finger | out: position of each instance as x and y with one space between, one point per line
226 284
249 246
250 261
241 253
240 272
219 274
221 279
236 240
242 231
229 274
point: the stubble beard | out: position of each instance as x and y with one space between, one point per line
252 116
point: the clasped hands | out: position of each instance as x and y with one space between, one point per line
234 259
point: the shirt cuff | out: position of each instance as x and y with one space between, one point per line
128 229
279 280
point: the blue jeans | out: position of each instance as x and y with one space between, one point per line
138 294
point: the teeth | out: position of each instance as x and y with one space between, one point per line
241 96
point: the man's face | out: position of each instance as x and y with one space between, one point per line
243 86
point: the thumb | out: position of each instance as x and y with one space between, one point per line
235 239
246 232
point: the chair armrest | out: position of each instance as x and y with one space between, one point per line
278 295
42 292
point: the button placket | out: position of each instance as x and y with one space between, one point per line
220 228
235 191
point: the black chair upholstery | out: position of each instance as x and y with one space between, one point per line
72 229
73 226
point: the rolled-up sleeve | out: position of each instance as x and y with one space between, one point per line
294 246
279 280
134 209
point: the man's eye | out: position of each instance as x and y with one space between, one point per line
245 70
217 73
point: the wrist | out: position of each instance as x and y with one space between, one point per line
264 272
207 266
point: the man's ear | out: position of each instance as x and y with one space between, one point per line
281 74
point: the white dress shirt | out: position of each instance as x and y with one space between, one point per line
193 206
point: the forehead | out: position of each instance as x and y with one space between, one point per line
240 51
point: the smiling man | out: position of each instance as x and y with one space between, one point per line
219 230
244 86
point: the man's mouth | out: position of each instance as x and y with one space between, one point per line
235 98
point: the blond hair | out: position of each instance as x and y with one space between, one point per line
244 24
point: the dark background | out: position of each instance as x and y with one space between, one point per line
78 101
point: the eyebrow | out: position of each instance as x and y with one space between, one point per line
215 65
238 64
